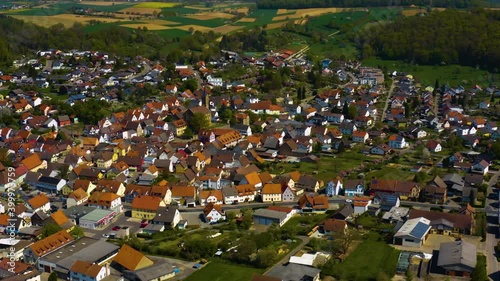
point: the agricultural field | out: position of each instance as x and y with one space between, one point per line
67 20
221 271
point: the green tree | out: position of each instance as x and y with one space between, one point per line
247 219
5 158
299 118
344 240
50 229
188 133
352 112
77 232
53 276
199 120
345 109
317 147
190 84
226 115
265 258
480 273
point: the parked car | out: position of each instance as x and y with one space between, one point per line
116 228
105 235
144 223
348 201
196 266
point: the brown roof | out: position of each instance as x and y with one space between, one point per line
78 194
265 177
18 267
146 202
245 189
38 201
51 243
316 201
253 178
210 206
102 198
86 268
59 217
204 194
183 191
335 225
460 221
131 259
271 188
392 185
111 185
32 161
258 277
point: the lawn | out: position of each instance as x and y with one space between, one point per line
262 17
454 75
220 271
327 167
305 223
390 173
367 261
156 5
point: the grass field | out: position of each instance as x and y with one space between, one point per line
210 16
367 260
390 173
454 75
66 19
220 271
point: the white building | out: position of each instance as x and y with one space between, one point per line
216 82
86 271
413 233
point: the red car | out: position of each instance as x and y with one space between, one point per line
116 228
144 223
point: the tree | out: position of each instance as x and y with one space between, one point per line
265 258
409 275
199 120
247 219
64 171
472 197
53 276
226 115
436 85
420 177
190 84
317 147
299 118
345 109
5 158
426 154
382 277
344 239
50 229
188 134
352 112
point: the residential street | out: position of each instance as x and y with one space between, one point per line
388 97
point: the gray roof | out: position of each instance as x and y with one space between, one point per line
265 213
454 178
153 272
77 212
165 215
457 255
86 249
229 191
294 272
96 215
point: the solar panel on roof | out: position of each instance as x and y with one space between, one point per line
419 230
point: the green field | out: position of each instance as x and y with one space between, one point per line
190 21
64 8
220 271
179 11
390 173
453 75
173 33
369 259
262 17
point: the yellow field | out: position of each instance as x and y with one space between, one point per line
194 27
156 5
247 20
141 11
209 16
149 26
282 11
275 25
100 3
226 28
413 12
242 10
66 19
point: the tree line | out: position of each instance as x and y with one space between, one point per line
301 4
448 37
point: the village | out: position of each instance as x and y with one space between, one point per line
307 175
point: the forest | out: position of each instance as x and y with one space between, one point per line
301 4
449 37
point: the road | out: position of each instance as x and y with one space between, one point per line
388 98
145 70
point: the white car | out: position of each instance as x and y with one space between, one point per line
105 235
348 201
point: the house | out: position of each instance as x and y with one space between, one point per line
361 204
271 192
397 142
457 258
333 226
386 201
211 196
112 186
445 223
77 197
334 187
86 271
246 192
287 194
308 183
97 219
146 207
130 259
106 201
405 189
293 271
313 203
167 216
360 136
354 187
481 167
33 163
213 213
345 213
184 195
381 149
50 185
413 233
273 215
434 146
39 203
396 215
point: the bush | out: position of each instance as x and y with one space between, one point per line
480 273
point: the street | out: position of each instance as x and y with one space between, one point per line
493 266
388 98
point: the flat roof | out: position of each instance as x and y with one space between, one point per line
265 213
417 227
86 249
96 215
